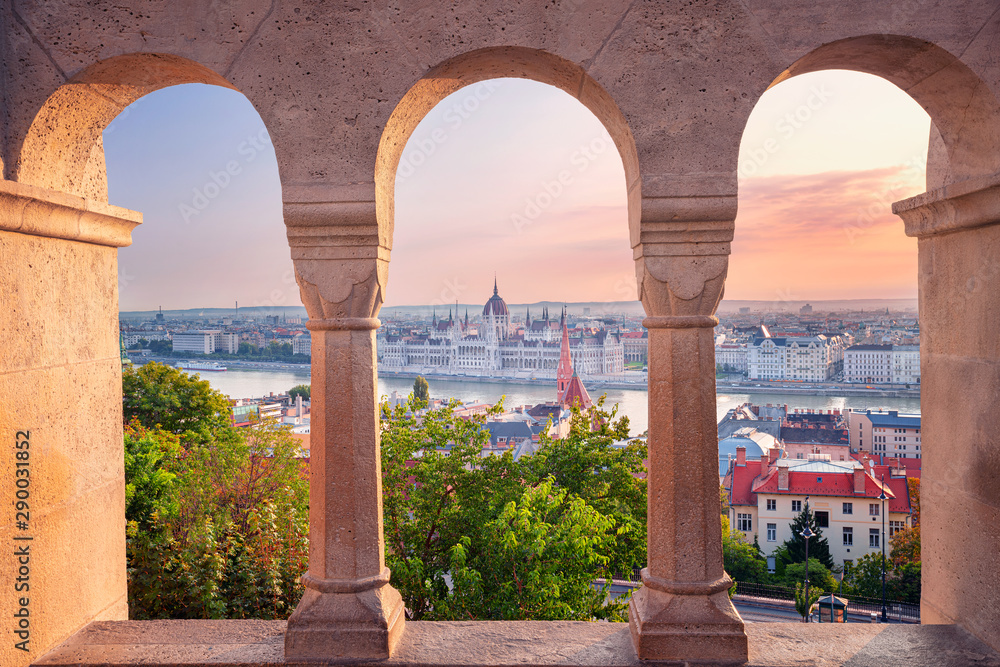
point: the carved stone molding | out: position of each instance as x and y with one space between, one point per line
965 205
340 265
682 253
29 209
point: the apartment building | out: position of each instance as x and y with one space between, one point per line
766 496
885 433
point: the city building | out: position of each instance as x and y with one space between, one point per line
195 342
801 358
869 364
493 348
906 364
885 433
765 496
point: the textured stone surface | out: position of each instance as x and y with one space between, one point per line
340 86
60 380
526 643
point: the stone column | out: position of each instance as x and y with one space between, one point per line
958 232
683 611
349 611
61 424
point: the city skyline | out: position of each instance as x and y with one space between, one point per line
464 204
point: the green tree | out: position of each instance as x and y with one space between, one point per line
150 484
820 577
227 537
865 576
905 583
742 560
161 347
302 390
794 548
421 392
158 396
804 605
519 539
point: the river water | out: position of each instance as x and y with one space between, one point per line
631 402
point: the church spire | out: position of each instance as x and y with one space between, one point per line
565 371
494 284
527 316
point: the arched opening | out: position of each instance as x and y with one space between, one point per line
72 241
498 63
963 150
511 176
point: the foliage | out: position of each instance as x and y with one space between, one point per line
538 561
865 576
516 539
905 546
820 577
421 392
303 390
724 500
913 486
157 396
795 547
902 582
742 560
217 528
802 604
150 485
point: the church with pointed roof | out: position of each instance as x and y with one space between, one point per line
495 346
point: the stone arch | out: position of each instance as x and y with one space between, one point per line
63 149
964 110
494 63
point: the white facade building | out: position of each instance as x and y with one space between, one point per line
195 342
906 364
455 347
800 358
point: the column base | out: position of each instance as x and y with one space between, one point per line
697 627
345 626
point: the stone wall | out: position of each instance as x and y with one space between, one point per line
340 88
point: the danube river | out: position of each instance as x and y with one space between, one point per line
631 402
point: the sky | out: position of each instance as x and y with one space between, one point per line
478 194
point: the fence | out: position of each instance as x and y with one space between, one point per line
897 610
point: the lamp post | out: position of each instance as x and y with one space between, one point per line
807 533
882 497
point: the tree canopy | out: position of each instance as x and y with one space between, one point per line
421 392
516 539
303 390
793 550
157 396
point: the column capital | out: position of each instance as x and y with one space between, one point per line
964 205
341 263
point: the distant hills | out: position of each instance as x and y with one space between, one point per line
576 308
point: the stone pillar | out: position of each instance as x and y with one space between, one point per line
683 611
61 422
349 610
958 232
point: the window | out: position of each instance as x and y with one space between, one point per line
796 505
848 536
822 519
848 508
772 504
744 522
873 509
895 527
873 538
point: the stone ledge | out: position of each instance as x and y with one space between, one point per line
520 643
29 209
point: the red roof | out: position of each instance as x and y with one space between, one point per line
745 482
741 490
576 392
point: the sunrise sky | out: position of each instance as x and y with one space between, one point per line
814 210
